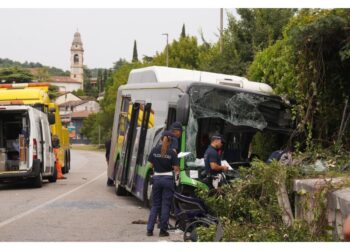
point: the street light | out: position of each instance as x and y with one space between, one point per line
167 48
221 30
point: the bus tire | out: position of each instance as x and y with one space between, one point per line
67 162
64 168
37 181
53 178
119 190
147 191
68 154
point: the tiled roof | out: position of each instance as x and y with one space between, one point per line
73 103
62 79
81 114
89 98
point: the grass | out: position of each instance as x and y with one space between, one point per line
89 147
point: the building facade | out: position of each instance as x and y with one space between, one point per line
66 97
65 83
73 114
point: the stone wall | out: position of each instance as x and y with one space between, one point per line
338 207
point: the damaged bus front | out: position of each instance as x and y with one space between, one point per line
239 115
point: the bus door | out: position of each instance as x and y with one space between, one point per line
139 148
130 139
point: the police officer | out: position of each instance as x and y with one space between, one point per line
212 158
164 162
176 131
110 182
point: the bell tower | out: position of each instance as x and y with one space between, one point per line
77 59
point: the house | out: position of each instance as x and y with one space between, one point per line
66 97
74 127
73 114
65 83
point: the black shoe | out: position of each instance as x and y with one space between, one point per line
149 233
163 233
110 182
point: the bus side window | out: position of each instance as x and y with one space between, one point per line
145 125
171 117
123 119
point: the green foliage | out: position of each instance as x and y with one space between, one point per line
274 66
105 117
249 211
243 38
78 92
89 89
263 144
182 54
53 92
310 65
7 63
15 74
89 128
43 74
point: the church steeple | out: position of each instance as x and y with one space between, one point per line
77 59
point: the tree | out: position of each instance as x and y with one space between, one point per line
53 92
89 89
43 74
134 53
182 53
99 80
183 31
310 65
119 77
15 74
119 63
104 80
78 92
243 38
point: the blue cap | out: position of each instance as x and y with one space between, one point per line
217 137
167 133
177 126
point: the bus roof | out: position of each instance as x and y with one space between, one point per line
159 74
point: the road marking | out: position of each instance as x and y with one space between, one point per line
20 216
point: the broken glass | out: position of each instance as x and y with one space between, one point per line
238 109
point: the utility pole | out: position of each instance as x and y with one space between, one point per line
99 135
221 29
167 48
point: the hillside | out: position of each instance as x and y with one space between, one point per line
6 63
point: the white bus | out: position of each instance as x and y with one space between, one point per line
204 102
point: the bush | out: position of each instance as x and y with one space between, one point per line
249 210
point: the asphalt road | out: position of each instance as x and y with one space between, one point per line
80 208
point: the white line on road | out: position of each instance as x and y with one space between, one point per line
19 216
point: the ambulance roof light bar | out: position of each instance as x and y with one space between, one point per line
23 85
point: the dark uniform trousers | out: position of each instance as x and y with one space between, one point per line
162 192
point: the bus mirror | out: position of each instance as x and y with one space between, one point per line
51 118
183 109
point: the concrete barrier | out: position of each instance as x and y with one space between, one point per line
338 202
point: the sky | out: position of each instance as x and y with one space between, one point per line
45 35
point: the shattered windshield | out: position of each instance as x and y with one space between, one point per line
234 108
239 109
